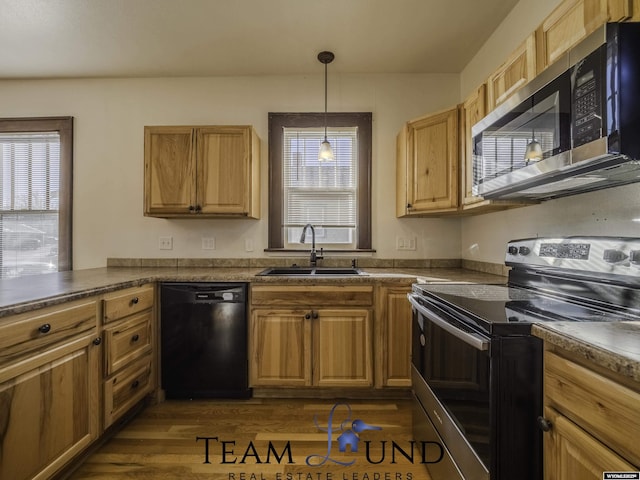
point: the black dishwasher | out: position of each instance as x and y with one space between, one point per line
204 340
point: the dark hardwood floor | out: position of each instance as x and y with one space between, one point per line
261 439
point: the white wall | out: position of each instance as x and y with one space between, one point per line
614 211
108 153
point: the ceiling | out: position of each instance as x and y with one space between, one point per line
141 38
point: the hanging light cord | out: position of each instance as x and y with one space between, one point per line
325 102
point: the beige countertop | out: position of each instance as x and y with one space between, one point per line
613 345
22 294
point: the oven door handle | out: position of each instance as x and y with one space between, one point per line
476 341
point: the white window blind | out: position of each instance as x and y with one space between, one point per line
323 194
504 152
30 202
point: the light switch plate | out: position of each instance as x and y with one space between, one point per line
165 243
208 243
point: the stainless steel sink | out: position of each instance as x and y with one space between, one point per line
333 271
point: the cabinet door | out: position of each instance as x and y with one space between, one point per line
126 388
49 409
224 182
342 348
517 71
280 346
402 168
169 170
473 110
569 23
570 453
432 173
395 336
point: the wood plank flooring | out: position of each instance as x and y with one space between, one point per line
260 439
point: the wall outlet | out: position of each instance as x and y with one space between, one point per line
165 243
406 243
208 243
248 244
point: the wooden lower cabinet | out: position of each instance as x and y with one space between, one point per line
343 348
323 347
311 336
48 409
65 378
592 418
572 453
280 348
129 363
393 341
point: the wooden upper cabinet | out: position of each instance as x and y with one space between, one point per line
473 110
572 21
206 171
427 165
169 170
228 178
518 70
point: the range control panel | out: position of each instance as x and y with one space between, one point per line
577 251
617 255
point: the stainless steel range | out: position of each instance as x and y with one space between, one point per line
477 369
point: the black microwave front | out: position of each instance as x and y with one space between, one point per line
562 133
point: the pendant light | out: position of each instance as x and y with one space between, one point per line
325 153
533 152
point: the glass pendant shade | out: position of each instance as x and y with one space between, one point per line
326 152
533 151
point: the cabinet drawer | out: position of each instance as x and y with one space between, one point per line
25 333
127 340
127 302
310 295
126 388
601 406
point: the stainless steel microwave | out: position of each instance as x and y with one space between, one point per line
574 128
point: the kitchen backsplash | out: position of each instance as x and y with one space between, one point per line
496 269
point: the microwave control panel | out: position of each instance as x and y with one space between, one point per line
587 77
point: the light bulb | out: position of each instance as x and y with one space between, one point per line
325 153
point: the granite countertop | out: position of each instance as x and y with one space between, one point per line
613 345
22 294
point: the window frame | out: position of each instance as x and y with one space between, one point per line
278 121
64 127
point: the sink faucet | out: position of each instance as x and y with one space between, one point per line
313 257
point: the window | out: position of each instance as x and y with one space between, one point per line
35 195
335 197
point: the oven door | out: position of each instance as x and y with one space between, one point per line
452 383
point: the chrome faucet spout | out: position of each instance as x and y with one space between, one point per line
313 256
